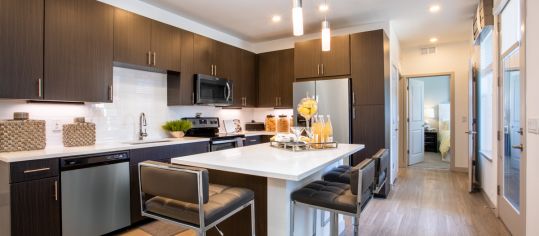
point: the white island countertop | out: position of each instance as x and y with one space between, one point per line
263 160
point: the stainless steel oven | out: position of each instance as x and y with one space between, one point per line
210 90
226 143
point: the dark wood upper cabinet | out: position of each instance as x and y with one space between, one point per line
35 208
311 62
166 46
78 50
275 78
21 44
337 61
132 38
181 87
140 41
204 55
248 78
370 67
307 59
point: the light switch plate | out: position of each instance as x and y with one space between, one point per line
533 127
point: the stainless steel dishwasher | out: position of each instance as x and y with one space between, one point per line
95 194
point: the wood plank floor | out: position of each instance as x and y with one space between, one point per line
430 202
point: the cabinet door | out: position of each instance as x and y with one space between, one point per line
307 59
368 128
166 46
248 78
337 61
35 208
132 38
21 44
78 50
286 78
203 55
187 92
268 79
368 67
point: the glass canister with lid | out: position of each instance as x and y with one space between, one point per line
270 123
283 124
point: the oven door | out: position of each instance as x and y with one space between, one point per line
226 144
213 91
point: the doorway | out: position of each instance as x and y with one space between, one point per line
429 124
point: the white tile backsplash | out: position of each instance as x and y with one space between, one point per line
135 91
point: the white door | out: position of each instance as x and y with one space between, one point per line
394 149
416 126
511 177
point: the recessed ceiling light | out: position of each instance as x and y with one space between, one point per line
276 18
433 40
435 8
323 7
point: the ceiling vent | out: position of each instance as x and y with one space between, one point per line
428 51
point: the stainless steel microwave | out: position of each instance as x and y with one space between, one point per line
210 90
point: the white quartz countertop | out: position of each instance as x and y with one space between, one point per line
263 160
61 151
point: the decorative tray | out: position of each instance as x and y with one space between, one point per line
301 146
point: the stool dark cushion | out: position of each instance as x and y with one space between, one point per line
222 200
340 174
328 195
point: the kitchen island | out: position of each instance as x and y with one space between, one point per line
274 174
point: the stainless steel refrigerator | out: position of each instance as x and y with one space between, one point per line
333 99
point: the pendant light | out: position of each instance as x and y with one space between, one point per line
297 18
326 36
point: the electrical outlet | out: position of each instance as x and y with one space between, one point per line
533 126
57 126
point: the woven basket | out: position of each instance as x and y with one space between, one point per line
22 135
78 134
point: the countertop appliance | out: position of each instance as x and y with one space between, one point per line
334 99
95 194
255 126
208 127
211 90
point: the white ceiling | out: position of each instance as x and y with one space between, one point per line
250 20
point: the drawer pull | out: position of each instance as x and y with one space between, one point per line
37 170
55 190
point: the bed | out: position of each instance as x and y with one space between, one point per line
444 130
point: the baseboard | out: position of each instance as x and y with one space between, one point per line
460 169
490 204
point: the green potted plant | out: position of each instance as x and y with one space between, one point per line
177 128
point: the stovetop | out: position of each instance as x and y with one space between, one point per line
208 127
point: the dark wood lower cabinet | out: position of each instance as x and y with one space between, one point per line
369 128
35 208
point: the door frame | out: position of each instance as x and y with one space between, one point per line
403 110
523 104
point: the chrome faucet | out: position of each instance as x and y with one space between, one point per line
142 123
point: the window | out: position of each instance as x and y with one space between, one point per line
485 96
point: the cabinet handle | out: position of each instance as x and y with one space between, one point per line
55 190
318 69
193 98
110 93
215 73
154 56
353 113
36 170
212 69
149 58
323 69
353 98
40 87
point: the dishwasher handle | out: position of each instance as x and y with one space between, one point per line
80 162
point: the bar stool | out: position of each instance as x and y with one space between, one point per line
183 196
338 198
341 174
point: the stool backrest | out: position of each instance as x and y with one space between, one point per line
383 158
362 177
176 182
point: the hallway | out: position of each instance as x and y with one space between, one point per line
430 202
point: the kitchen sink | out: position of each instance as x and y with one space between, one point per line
139 142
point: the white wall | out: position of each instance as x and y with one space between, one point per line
436 92
134 92
455 58
532 112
